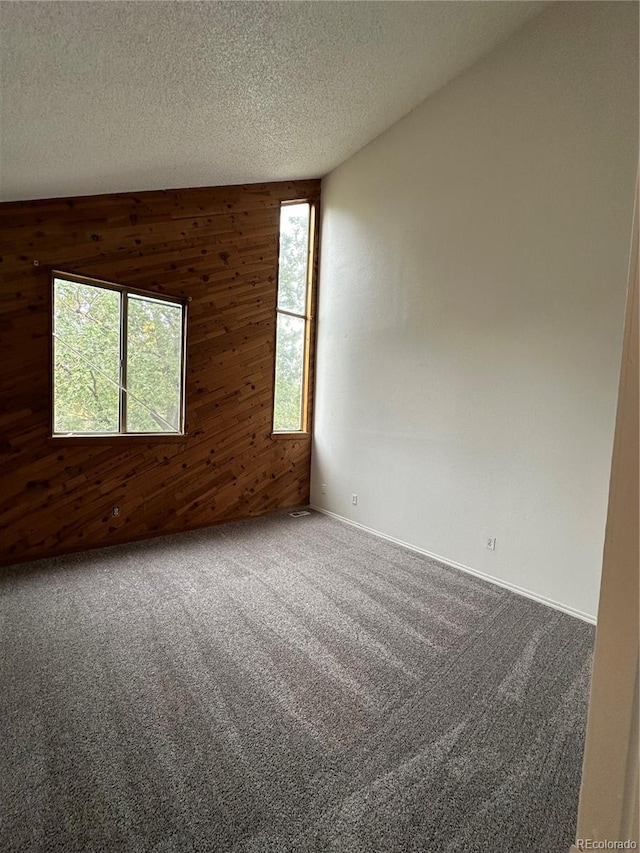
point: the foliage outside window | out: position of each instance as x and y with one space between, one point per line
292 322
118 360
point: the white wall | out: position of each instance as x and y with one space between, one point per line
471 300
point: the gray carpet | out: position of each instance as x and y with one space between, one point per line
284 685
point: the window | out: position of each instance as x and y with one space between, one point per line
293 321
118 360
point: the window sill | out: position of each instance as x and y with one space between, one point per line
133 438
300 436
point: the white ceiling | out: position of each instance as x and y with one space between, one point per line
103 97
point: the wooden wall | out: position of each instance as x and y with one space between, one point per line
218 246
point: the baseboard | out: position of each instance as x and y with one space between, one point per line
556 605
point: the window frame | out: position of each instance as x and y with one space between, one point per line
120 436
308 317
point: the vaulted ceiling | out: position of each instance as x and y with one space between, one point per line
113 96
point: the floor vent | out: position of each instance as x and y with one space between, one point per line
299 513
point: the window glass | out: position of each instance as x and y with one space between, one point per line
117 360
289 373
154 365
294 253
86 346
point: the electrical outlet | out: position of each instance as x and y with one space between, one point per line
115 511
354 500
323 489
491 543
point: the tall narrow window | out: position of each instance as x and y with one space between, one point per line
118 360
293 318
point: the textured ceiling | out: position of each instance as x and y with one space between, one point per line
108 96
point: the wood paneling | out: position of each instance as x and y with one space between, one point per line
218 246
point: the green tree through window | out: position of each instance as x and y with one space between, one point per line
292 317
117 360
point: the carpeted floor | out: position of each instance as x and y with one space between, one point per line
284 685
